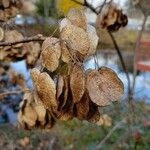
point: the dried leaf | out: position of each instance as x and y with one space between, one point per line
77 82
103 86
77 18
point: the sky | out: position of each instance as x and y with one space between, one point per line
96 2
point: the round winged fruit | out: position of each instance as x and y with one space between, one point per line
51 52
77 82
77 39
64 22
82 107
93 39
1 34
45 88
77 18
103 86
12 36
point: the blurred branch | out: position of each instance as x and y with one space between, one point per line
118 125
10 93
121 60
87 4
38 37
137 44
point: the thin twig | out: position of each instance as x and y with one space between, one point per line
121 60
118 125
137 44
10 93
38 37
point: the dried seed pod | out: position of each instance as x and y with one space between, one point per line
60 85
64 95
40 110
111 18
34 73
64 22
93 39
105 120
53 43
77 18
103 86
77 39
46 90
77 83
93 115
51 52
1 34
65 56
32 50
68 114
12 36
82 107
6 3
27 116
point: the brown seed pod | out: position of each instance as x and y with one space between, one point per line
6 3
46 90
105 120
27 115
77 82
93 39
1 34
67 114
64 95
65 54
111 18
60 85
77 18
34 73
103 86
40 110
77 39
82 107
51 52
64 22
93 115
54 43
12 36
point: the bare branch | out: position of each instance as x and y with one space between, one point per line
38 37
10 93
118 125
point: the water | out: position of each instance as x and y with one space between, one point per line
142 87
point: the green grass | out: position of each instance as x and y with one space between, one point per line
81 135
